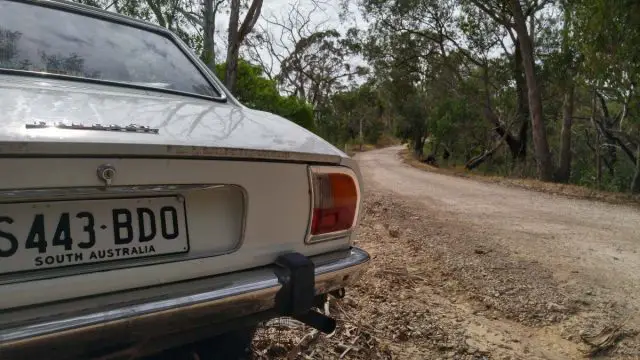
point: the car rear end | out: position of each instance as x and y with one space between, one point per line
135 219
164 236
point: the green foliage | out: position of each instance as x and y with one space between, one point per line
345 111
256 91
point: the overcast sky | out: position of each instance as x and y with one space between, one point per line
329 15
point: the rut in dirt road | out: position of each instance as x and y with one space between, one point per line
583 254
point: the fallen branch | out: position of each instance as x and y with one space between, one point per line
476 161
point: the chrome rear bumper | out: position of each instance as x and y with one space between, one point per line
180 315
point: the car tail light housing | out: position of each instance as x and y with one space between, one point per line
335 202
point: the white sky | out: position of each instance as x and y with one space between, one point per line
330 16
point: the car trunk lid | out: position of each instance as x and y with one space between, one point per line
58 117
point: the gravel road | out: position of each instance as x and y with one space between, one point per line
547 271
463 269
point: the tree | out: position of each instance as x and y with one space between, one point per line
512 16
314 61
205 19
610 36
568 57
275 39
211 8
236 35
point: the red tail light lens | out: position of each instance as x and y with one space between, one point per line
335 200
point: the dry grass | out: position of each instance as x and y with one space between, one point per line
567 190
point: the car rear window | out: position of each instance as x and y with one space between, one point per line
40 39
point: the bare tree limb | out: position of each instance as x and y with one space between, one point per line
250 19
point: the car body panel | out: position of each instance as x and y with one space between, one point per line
188 126
277 216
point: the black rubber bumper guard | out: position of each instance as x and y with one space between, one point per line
297 296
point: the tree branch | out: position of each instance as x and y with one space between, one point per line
250 19
194 18
493 14
157 11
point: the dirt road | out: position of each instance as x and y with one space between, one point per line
463 269
575 261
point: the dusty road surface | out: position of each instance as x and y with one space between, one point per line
469 270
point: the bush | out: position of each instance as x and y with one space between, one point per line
257 92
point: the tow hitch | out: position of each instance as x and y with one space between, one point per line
297 296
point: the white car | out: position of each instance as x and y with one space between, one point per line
142 207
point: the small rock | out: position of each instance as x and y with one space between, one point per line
480 251
394 232
555 307
615 258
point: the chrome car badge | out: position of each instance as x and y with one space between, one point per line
106 173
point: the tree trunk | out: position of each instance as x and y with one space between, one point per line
597 144
233 47
564 168
598 162
208 50
360 134
418 145
538 131
157 11
523 105
635 182
236 36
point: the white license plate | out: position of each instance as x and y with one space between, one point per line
63 233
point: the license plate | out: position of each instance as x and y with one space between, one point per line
64 233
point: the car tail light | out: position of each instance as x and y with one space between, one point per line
335 201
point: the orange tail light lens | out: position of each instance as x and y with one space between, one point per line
335 201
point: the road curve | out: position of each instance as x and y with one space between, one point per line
590 243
